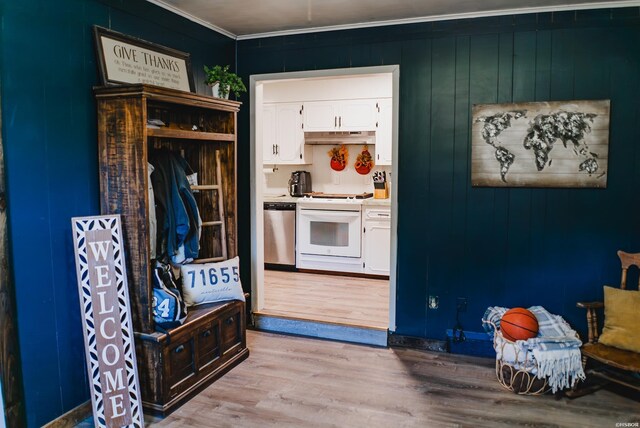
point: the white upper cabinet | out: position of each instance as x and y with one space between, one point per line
357 115
269 133
384 132
340 115
320 116
282 135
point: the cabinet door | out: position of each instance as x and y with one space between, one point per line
289 134
357 115
384 132
269 138
377 242
320 116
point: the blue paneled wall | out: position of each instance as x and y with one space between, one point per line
49 131
511 247
506 246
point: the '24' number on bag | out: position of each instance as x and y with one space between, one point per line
212 277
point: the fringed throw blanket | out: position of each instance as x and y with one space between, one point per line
556 349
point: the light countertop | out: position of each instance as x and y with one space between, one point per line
287 198
279 198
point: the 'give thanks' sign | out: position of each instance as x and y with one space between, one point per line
108 332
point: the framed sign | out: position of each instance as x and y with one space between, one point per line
106 322
541 144
126 59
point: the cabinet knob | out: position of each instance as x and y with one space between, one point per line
179 349
206 333
229 321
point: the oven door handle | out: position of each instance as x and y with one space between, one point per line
318 214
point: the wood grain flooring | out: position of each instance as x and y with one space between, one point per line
344 300
300 382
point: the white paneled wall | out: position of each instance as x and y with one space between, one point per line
323 178
334 88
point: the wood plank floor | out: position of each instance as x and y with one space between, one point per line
300 382
361 302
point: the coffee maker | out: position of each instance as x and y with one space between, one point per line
299 183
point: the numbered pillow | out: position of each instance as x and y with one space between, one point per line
211 282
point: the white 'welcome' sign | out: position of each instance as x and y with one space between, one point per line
108 332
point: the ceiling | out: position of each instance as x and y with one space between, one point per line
244 19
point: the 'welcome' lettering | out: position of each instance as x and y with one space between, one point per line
100 250
109 338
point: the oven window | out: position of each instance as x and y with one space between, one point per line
329 234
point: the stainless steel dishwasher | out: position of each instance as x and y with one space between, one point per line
280 234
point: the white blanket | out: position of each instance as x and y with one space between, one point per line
556 349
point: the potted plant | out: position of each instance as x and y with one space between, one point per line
223 81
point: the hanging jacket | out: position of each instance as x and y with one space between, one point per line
177 212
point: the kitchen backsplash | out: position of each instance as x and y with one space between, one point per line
323 178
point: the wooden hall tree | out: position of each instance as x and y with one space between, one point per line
173 366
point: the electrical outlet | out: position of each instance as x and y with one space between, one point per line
433 302
461 305
335 177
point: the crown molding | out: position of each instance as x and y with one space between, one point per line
519 11
405 21
193 18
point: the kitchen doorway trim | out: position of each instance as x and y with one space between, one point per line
257 219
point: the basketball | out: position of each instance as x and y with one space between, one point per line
518 324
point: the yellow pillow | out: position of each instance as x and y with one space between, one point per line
621 319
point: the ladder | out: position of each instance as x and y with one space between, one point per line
215 223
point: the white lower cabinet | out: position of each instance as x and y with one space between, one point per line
376 240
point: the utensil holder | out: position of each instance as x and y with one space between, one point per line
381 190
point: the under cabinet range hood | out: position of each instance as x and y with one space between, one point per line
340 137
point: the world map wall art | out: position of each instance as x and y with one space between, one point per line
540 144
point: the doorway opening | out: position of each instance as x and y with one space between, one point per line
331 247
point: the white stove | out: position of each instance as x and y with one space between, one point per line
328 201
339 204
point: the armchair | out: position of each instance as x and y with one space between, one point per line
605 362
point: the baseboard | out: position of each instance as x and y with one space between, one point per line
349 274
322 330
73 417
400 341
478 344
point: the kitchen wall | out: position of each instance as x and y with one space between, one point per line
47 70
323 178
494 246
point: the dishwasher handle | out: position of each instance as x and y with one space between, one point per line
279 206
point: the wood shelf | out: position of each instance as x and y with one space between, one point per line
189 135
205 187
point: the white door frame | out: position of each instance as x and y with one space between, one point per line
257 221
3 423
